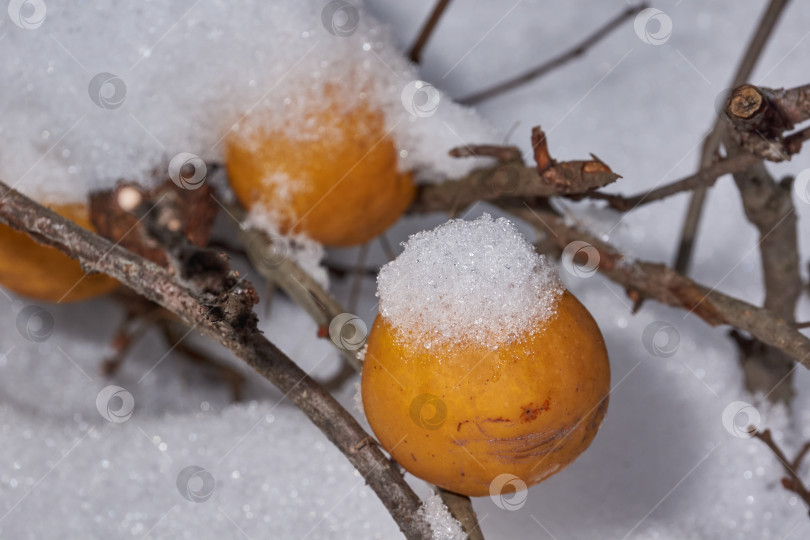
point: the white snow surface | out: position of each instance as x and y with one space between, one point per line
663 466
442 522
477 283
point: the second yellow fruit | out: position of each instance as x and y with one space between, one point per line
338 183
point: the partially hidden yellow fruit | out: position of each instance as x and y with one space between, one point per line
44 273
338 185
460 416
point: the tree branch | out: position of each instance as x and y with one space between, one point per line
769 207
513 179
225 314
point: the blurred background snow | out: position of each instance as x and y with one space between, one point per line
662 466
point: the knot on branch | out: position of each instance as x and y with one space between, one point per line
569 177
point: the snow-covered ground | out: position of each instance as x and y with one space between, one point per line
664 464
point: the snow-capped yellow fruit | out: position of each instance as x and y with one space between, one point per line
481 367
460 416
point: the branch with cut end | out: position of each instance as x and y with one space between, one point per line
702 179
760 116
219 304
792 482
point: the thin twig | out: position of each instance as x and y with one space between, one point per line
341 271
765 28
138 321
701 179
427 30
504 154
793 482
567 56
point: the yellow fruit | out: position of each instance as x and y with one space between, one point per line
340 186
45 273
459 416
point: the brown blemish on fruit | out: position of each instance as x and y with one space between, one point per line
532 411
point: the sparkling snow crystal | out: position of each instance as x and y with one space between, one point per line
475 282
442 523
